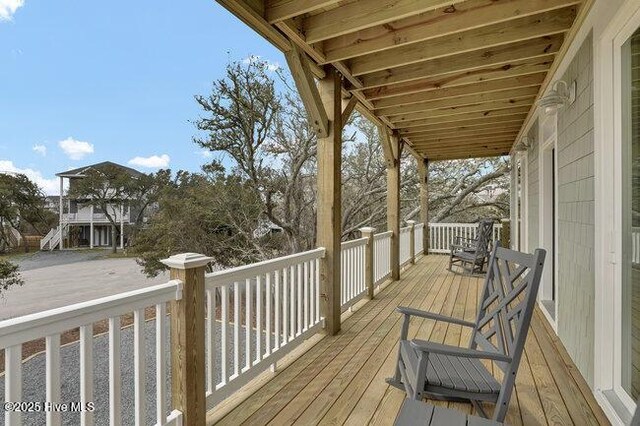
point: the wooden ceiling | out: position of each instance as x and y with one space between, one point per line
454 79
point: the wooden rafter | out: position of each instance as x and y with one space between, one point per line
299 66
500 55
518 30
425 26
458 91
464 72
483 108
364 14
475 99
454 79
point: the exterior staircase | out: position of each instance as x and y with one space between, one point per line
51 241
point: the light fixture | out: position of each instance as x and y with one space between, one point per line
558 97
523 144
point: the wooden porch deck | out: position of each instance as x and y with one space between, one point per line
340 380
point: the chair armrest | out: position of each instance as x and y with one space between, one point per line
430 315
437 348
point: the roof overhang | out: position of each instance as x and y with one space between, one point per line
454 79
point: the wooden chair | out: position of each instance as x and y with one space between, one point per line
471 253
427 369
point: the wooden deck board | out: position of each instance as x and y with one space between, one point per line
341 379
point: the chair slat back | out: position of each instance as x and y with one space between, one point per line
484 235
507 303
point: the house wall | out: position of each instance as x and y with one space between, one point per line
575 210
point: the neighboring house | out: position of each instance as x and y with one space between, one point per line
82 224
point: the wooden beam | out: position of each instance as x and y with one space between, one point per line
485 122
389 153
549 23
363 14
253 18
479 98
348 105
458 78
418 117
279 10
500 55
479 147
299 66
393 206
449 119
329 216
437 23
464 141
465 131
464 90
465 155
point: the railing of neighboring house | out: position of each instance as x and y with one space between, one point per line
353 284
381 257
50 325
47 238
418 242
260 313
97 217
441 235
405 245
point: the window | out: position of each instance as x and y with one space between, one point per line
630 307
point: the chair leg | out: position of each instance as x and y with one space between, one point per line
396 380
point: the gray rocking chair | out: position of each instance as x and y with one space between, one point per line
471 253
427 369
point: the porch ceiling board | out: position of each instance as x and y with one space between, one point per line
429 70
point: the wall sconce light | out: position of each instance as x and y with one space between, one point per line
561 95
523 144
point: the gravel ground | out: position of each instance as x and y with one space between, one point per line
34 383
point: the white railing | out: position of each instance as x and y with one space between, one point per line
353 284
635 245
381 257
47 238
405 245
51 324
418 243
256 314
441 235
97 217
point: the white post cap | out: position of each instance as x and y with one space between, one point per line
187 261
367 230
410 222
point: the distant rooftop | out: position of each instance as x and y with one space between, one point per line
79 172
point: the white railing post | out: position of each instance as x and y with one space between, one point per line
367 232
188 375
412 241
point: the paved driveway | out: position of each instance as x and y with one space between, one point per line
55 286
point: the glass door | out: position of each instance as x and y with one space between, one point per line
630 303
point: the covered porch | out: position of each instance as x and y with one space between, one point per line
341 378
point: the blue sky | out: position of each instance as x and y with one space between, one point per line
86 81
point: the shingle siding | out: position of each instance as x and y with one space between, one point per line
576 284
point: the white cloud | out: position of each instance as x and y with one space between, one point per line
205 153
153 162
75 150
49 186
40 149
8 8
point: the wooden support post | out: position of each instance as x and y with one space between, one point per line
187 338
423 171
329 226
369 278
412 241
393 205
